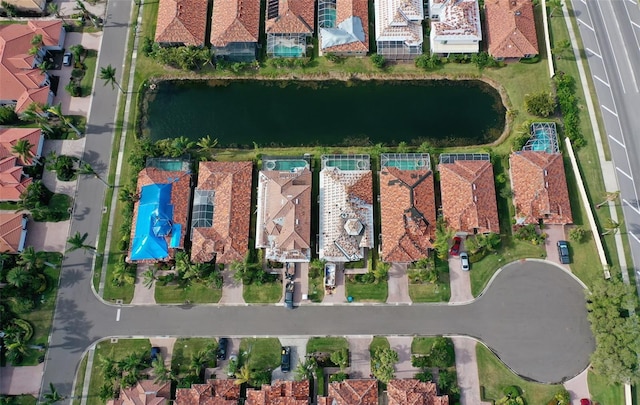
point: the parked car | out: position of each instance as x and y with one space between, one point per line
66 58
285 359
455 249
585 401
155 351
288 295
221 353
464 261
563 252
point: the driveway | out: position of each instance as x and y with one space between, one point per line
578 387
402 345
398 284
554 234
460 282
359 357
298 352
338 295
47 236
467 370
231 289
21 380
166 348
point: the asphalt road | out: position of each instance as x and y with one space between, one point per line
610 31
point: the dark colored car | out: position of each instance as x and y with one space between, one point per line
221 354
66 59
155 351
285 359
563 252
464 261
288 295
455 249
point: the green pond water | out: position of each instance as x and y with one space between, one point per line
296 113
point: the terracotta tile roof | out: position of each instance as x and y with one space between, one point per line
10 136
280 393
283 226
408 214
144 392
458 19
181 22
294 16
346 9
540 188
234 21
13 230
469 196
19 80
353 392
346 214
214 392
399 20
511 28
414 392
180 199
13 181
228 239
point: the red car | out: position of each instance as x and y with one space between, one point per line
585 401
455 249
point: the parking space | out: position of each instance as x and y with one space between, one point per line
398 284
298 351
459 280
359 357
554 234
220 372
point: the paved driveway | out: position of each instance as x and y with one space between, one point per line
398 284
47 236
460 282
402 345
554 234
467 370
359 357
20 380
298 352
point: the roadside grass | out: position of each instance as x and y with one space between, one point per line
183 349
117 352
90 62
495 376
436 292
366 292
23 399
602 391
510 251
261 353
326 344
422 345
196 293
266 293
378 342
316 288
77 393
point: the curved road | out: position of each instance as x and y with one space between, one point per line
533 315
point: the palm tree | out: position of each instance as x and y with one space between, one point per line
53 396
110 368
612 196
54 9
161 372
122 275
30 259
198 361
149 276
132 363
181 145
611 227
19 277
108 74
243 375
306 370
57 111
22 148
85 13
78 51
207 145
86 168
562 49
106 392
77 242
241 267
554 5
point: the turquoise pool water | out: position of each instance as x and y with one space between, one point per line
169 165
284 165
541 141
288 51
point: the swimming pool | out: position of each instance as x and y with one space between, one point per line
288 51
408 164
347 164
170 165
283 165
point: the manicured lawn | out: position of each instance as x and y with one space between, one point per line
87 81
316 288
196 293
379 342
77 393
183 349
111 291
603 392
366 292
422 345
261 353
494 376
436 292
116 351
24 400
510 251
267 293
326 344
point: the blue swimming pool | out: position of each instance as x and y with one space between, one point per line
288 51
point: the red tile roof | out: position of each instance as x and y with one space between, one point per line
10 136
280 393
469 196
414 392
353 392
540 187
511 28
13 181
408 214
181 22
228 239
144 392
234 21
294 16
19 80
180 199
344 10
12 227
214 392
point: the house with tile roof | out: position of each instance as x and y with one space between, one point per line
288 25
280 393
468 193
399 28
511 29
343 27
13 180
351 392
407 207
36 6
13 232
414 392
455 26
213 392
234 29
346 208
283 225
181 22
160 215
21 81
144 392
221 212
9 137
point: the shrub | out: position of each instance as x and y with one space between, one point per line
428 62
448 382
378 60
530 61
541 104
565 91
511 391
424 376
147 46
483 60
442 353
73 89
528 233
338 377
8 115
27 329
421 362
332 57
577 234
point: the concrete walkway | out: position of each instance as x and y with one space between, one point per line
398 284
21 380
231 289
402 345
359 357
578 387
467 370
143 295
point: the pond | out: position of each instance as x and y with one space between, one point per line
240 113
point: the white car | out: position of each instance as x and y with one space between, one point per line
464 261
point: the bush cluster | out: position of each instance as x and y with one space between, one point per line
566 94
